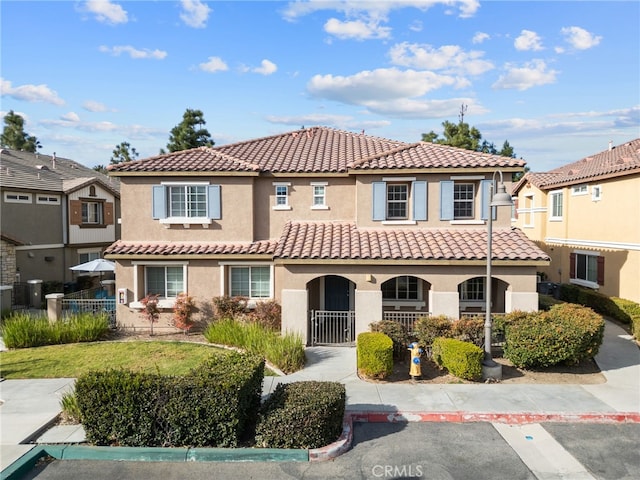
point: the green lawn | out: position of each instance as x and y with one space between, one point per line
72 360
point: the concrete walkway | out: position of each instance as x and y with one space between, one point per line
29 406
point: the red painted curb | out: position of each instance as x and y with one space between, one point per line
343 444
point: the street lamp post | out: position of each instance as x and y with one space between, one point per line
491 369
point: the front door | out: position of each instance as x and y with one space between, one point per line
336 293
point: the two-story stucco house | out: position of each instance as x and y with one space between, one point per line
55 213
342 229
585 216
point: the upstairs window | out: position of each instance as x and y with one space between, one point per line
282 196
87 256
92 213
458 199
556 200
401 200
397 201
319 196
579 189
186 203
596 193
13 197
463 201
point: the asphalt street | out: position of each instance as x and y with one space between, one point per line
431 450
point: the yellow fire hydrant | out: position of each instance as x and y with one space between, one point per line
415 370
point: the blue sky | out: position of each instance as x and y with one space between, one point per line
558 80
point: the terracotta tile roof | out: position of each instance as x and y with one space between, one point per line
343 240
433 155
315 150
618 161
121 247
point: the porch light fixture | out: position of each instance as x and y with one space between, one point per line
491 369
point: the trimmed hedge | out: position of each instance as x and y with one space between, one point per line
397 332
631 314
211 406
462 359
597 301
567 333
375 355
302 415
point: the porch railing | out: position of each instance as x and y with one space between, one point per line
408 319
332 327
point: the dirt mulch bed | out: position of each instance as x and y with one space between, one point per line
584 373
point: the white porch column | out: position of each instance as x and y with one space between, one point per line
368 309
444 303
524 301
295 313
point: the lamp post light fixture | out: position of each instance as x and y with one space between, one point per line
491 369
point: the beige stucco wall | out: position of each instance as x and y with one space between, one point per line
236 223
609 227
339 198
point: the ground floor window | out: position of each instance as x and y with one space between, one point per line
400 288
472 289
84 257
252 282
587 268
167 282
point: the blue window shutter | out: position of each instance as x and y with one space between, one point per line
213 198
419 200
379 201
485 199
159 202
446 200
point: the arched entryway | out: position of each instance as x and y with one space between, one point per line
331 311
472 296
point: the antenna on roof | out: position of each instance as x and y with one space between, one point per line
53 160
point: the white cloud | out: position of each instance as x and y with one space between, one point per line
380 84
449 58
480 37
423 108
579 38
213 64
416 26
532 74
266 67
343 122
93 106
528 40
467 8
195 13
357 29
133 52
107 12
72 117
30 93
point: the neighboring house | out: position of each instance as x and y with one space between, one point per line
341 229
55 213
585 216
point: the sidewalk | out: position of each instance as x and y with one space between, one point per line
30 405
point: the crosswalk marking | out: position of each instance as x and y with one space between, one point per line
545 457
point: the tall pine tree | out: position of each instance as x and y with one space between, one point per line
14 136
190 133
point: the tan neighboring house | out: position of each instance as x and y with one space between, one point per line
585 215
341 229
55 213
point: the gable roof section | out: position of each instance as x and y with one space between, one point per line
312 151
343 240
615 162
33 171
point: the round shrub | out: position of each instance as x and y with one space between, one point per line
429 328
375 355
567 333
462 359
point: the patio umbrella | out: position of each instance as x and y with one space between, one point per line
97 265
